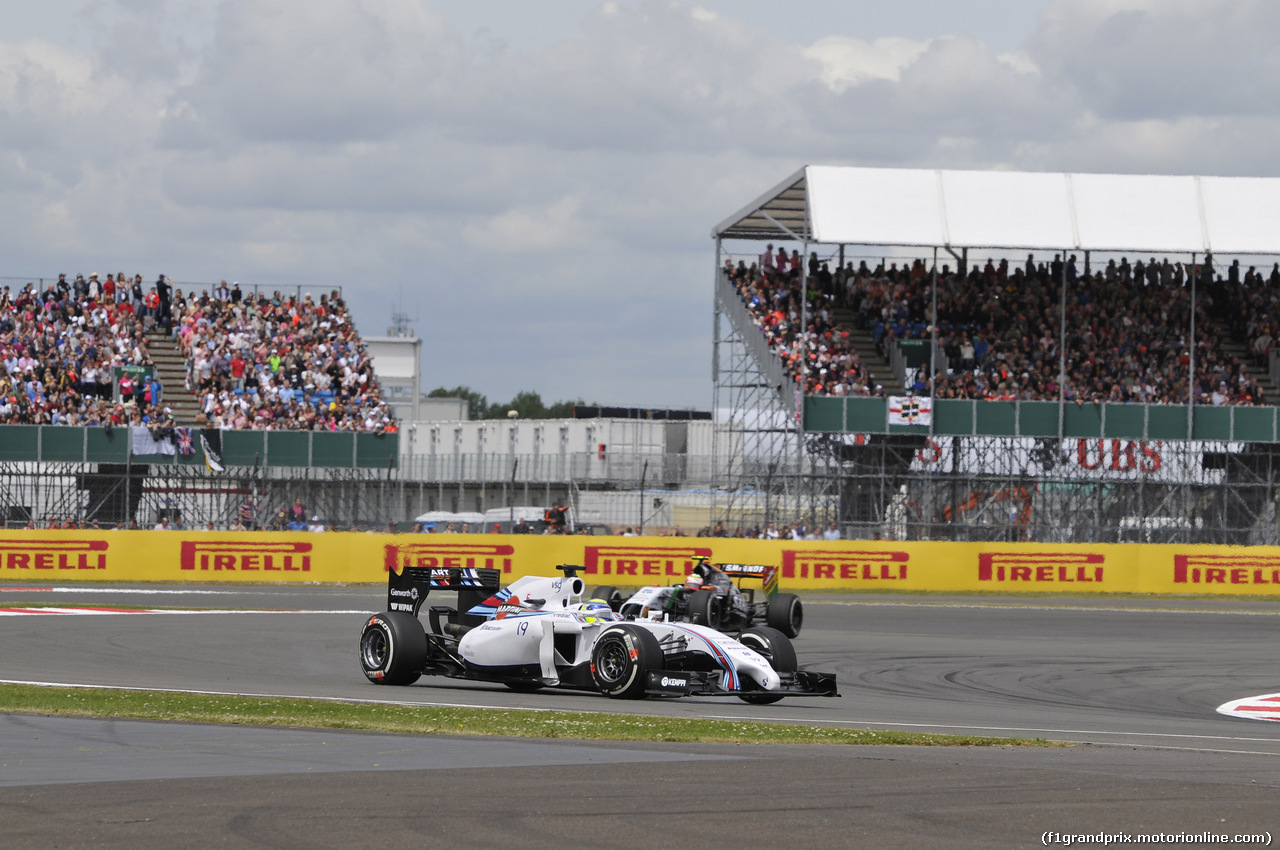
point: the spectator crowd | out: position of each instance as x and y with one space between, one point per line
61 345
253 361
1000 331
278 363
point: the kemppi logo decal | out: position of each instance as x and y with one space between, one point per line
844 564
448 556
1226 569
246 557
1041 567
673 561
53 554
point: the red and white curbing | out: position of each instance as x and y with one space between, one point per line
1265 707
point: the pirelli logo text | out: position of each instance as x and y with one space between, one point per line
845 564
448 556
1226 569
1041 568
639 561
17 554
246 557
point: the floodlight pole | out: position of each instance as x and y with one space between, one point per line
715 386
804 377
1191 361
933 344
1062 355
643 472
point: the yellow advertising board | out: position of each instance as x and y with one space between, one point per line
350 557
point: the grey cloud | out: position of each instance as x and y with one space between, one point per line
328 71
1214 59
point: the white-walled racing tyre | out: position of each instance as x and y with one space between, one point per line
393 648
777 650
785 613
621 657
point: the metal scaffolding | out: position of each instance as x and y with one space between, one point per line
109 495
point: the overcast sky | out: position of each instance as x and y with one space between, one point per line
536 180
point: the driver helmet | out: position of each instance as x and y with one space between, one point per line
594 605
693 581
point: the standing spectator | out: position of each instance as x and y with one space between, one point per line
247 514
237 367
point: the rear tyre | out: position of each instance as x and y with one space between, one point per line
785 613
607 593
706 608
393 648
621 657
777 650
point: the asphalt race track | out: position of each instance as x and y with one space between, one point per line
1135 683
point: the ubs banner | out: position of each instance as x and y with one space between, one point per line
176 556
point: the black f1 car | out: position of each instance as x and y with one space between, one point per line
709 597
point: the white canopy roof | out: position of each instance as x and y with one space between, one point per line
1016 209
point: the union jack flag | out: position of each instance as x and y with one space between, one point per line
186 444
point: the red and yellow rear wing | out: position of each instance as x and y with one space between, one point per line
768 575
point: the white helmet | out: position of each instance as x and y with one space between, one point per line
693 580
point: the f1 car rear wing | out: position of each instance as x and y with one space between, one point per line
768 575
408 587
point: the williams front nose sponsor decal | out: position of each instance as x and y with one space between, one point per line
20 554
1265 707
1041 568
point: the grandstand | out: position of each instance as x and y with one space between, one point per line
1042 381
106 387
1089 374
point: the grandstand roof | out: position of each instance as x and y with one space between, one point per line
1016 209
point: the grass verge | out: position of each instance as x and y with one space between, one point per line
433 720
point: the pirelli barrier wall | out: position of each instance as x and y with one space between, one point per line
177 556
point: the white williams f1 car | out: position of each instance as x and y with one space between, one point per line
538 632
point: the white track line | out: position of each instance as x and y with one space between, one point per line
1011 731
355 700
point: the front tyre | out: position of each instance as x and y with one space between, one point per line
777 650
621 657
785 613
393 648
